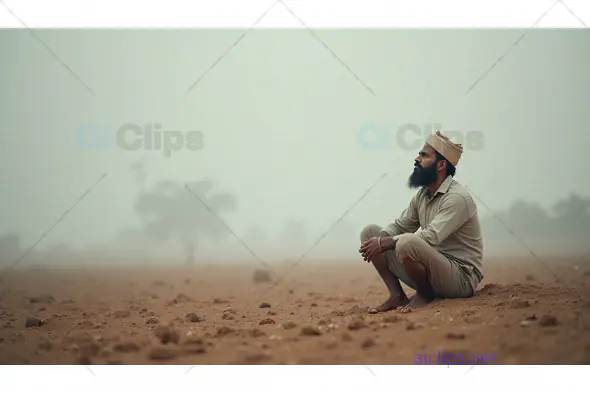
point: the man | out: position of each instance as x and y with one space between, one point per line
435 246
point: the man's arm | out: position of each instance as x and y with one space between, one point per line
407 222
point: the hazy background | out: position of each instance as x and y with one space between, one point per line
281 162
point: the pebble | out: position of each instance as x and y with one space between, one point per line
34 322
166 333
357 324
519 303
163 353
456 336
289 325
267 321
548 320
192 317
310 331
368 343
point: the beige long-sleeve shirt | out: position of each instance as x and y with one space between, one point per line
448 221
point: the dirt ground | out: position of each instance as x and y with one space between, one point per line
316 315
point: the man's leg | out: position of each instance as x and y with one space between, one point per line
397 296
431 272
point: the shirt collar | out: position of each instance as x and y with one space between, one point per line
443 188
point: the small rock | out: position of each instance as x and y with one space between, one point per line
289 325
548 320
224 330
34 322
412 326
167 334
219 301
257 358
182 298
126 347
257 333
229 309
194 345
267 321
264 305
152 321
356 324
121 314
163 353
310 331
391 318
314 304
368 343
46 299
192 317
456 336
519 303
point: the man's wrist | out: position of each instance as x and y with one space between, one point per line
387 243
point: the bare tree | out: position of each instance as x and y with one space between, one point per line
171 212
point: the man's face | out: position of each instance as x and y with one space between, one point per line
425 168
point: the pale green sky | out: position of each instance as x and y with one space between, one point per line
279 114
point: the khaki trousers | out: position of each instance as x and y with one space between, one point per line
447 278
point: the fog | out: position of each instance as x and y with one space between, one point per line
145 147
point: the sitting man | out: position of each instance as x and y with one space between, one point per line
435 246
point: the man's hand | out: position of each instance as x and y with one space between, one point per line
370 249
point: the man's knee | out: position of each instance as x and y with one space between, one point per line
370 231
408 246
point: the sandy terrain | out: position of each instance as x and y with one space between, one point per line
316 316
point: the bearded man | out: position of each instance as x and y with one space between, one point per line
435 246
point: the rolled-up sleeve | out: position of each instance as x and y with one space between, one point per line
407 222
455 210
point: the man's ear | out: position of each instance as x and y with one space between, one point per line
441 165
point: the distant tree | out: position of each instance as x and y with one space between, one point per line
573 208
9 249
170 211
527 215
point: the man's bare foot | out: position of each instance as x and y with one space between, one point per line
390 304
416 302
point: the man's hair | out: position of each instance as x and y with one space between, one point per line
450 167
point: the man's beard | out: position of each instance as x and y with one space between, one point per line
423 176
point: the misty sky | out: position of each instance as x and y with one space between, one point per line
280 114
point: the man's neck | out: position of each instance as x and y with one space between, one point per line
435 186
